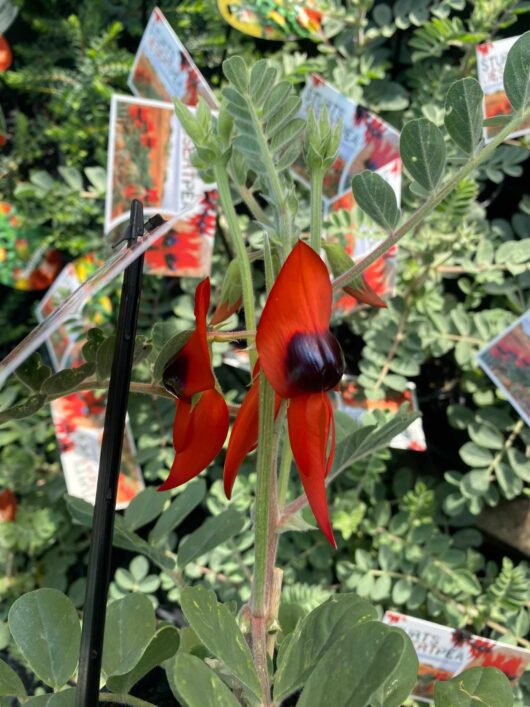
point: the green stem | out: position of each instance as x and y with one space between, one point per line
269 265
285 470
221 177
122 699
317 177
277 192
431 202
265 537
265 494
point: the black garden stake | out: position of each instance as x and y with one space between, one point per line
98 573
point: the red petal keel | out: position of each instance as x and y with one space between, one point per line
308 418
298 304
180 424
190 371
244 437
207 427
331 426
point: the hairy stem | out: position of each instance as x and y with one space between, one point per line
265 538
432 201
285 470
317 176
221 177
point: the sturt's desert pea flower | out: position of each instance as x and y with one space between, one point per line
201 419
302 360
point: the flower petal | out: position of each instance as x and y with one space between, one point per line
206 430
308 418
190 371
181 423
297 311
244 437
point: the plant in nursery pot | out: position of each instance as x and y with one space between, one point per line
266 653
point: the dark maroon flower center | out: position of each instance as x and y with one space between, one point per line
174 376
314 362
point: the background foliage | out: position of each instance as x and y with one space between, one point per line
408 522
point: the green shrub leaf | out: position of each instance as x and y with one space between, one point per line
196 685
144 508
180 508
385 669
422 150
376 198
65 381
45 627
517 73
487 687
129 628
312 637
163 646
213 532
217 629
463 113
10 684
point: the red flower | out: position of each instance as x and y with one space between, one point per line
148 140
301 360
510 665
151 195
201 423
8 506
6 56
130 191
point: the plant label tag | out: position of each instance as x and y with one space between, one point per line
78 418
277 20
491 58
164 70
367 142
444 652
149 159
347 400
506 360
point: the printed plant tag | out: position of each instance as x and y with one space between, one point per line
164 70
62 343
444 652
491 58
348 401
506 360
79 417
149 159
274 19
367 142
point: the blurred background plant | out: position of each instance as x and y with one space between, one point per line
415 530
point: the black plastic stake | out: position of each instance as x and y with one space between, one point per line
98 573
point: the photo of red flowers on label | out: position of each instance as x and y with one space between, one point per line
78 418
444 652
274 19
491 58
164 70
506 360
149 160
